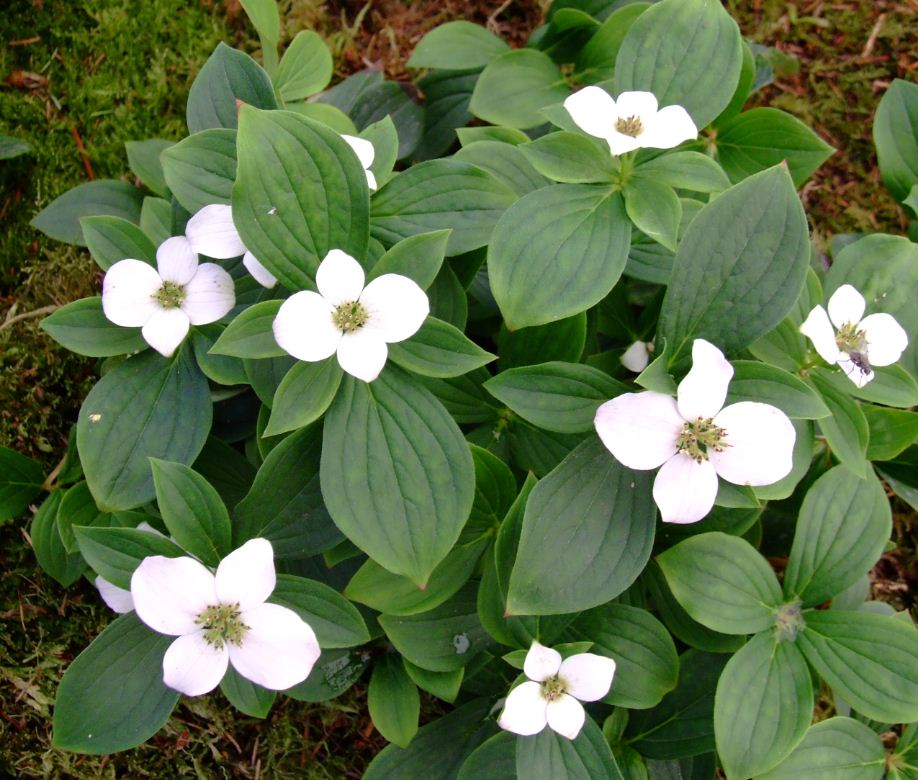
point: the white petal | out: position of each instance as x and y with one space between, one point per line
593 110
127 293
279 649
565 715
670 127
362 354
684 489
760 441
339 278
854 372
541 662
640 429
210 295
193 666
170 593
303 327
636 357
362 148
165 330
371 179
846 306
817 328
525 711
211 232
117 599
246 576
702 392
259 273
642 105
621 144
396 305
587 676
176 261
886 339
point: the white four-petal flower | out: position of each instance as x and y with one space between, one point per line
631 122
695 439
856 342
345 317
550 695
165 301
365 153
223 619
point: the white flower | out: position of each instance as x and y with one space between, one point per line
345 317
637 356
550 696
165 301
859 342
694 439
116 599
631 122
223 619
365 153
213 233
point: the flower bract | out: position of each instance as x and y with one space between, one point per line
365 153
350 319
633 121
223 618
552 694
856 343
637 356
695 439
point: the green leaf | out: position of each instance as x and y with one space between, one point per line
336 621
82 327
759 382
506 135
20 483
265 19
397 475
200 169
868 659
129 706
325 113
548 755
655 210
556 396
48 545
60 219
144 159
457 45
761 137
303 395
562 340
116 552
443 685
418 257
514 86
446 109
78 508
247 697
596 60
266 375
557 252
571 158
506 162
156 219
13 147
393 700
464 396
763 706
439 350
891 431
145 407
587 534
687 52
494 759
846 428
227 76
740 265
220 369
305 68
250 334
895 134
300 191
691 171
111 239
495 492
723 583
388 99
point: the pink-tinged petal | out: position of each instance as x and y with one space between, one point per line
127 293
593 111
362 148
116 599
210 295
279 649
304 328
854 372
176 261
587 676
642 105
165 330
640 429
259 273
622 144
702 392
541 662
212 232
817 328
362 354
339 278
670 127
170 593
886 339
246 576
760 444
636 357
846 306
566 716
396 305
193 666
525 710
684 490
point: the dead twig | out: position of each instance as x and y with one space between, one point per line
26 315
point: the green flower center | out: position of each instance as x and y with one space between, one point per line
789 622
222 623
350 316
629 126
552 688
853 342
700 437
170 295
